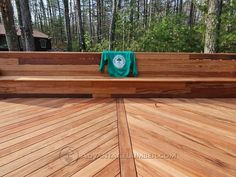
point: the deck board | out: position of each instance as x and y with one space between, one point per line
88 137
127 163
31 144
201 134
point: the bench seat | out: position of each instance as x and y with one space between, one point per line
113 79
102 86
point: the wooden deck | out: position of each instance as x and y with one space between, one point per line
117 137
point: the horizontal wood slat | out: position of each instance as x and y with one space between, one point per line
160 74
156 88
119 80
59 61
213 56
9 61
50 55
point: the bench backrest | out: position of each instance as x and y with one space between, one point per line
149 64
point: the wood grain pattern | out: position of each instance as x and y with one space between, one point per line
76 74
114 137
127 163
159 87
112 169
71 138
9 61
182 137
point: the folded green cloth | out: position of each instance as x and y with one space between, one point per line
119 63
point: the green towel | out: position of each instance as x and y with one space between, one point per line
119 63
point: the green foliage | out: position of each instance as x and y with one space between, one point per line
99 47
171 34
227 40
75 44
162 33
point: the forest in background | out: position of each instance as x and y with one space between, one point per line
140 25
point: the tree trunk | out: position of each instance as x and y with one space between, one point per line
42 7
102 20
191 14
145 15
40 22
230 14
131 18
71 15
90 23
50 12
167 7
8 21
99 21
81 28
50 21
119 5
20 24
75 18
180 6
60 21
177 6
67 25
150 12
212 22
84 15
219 24
34 8
27 26
112 26
138 10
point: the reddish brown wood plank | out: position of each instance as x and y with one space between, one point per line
160 75
200 131
110 170
202 136
9 61
34 148
127 164
214 56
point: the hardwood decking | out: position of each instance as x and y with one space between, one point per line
166 75
123 137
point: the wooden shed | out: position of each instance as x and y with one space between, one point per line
41 40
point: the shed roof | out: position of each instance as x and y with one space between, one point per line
36 33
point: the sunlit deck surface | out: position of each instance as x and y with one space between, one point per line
117 137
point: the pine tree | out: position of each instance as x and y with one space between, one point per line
99 21
212 22
8 21
67 25
112 26
22 38
27 26
81 28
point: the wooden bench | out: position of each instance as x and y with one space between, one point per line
76 75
